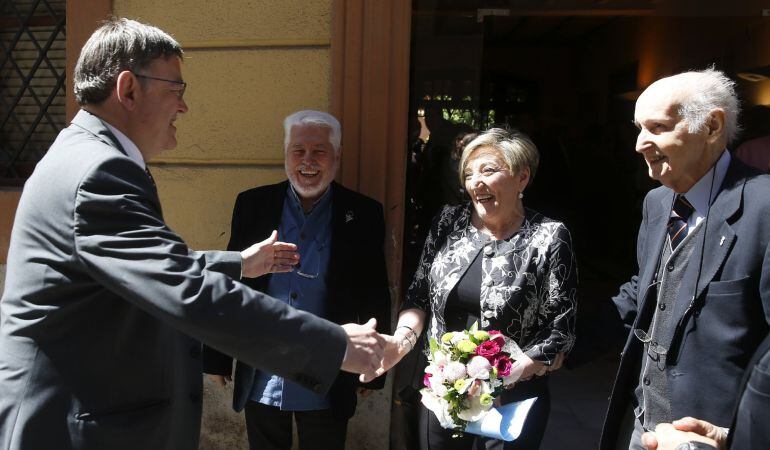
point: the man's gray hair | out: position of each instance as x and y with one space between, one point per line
118 45
710 89
317 118
516 148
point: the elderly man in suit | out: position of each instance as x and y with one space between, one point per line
700 304
340 276
103 301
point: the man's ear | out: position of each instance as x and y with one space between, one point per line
715 124
127 87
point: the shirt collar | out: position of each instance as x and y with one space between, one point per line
322 201
131 149
699 195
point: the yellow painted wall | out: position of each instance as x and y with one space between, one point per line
248 64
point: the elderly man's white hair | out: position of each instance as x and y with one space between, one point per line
317 118
707 90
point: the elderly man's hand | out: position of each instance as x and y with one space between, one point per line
703 428
364 351
667 437
269 256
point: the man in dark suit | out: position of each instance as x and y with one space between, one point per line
340 276
749 428
700 304
102 300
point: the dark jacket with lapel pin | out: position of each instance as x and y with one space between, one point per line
357 285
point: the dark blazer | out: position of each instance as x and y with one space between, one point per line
103 302
750 428
357 285
715 338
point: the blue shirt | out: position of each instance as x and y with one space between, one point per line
304 288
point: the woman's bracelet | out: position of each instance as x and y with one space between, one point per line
413 340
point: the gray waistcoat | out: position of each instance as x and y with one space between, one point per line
652 394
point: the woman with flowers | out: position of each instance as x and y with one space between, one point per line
503 266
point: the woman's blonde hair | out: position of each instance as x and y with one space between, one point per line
517 149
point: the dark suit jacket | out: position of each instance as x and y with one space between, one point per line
358 284
732 302
100 299
750 428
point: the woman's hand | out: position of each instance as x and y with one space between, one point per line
530 368
396 347
269 256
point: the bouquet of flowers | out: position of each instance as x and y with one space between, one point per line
467 371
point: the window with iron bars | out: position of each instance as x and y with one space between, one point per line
32 77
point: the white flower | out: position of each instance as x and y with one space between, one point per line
439 406
437 374
454 371
458 336
440 358
463 385
475 410
438 389
479 367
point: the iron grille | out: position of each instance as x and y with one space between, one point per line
32 76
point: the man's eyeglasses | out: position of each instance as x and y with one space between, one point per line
653 346
179 92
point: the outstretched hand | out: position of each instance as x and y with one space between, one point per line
364 351
703 428
667 436
395 349
269 256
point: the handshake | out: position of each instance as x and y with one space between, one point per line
369 353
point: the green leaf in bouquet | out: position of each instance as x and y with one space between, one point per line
474 328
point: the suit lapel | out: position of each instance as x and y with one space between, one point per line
340 211
268 215
343 218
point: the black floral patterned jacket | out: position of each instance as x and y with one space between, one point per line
529 281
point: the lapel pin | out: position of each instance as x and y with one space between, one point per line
348 216
722 241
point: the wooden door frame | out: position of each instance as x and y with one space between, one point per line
370 95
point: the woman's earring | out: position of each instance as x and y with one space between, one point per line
521 195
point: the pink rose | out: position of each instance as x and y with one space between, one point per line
503 364
426 380
488 349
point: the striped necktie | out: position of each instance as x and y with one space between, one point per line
677 223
